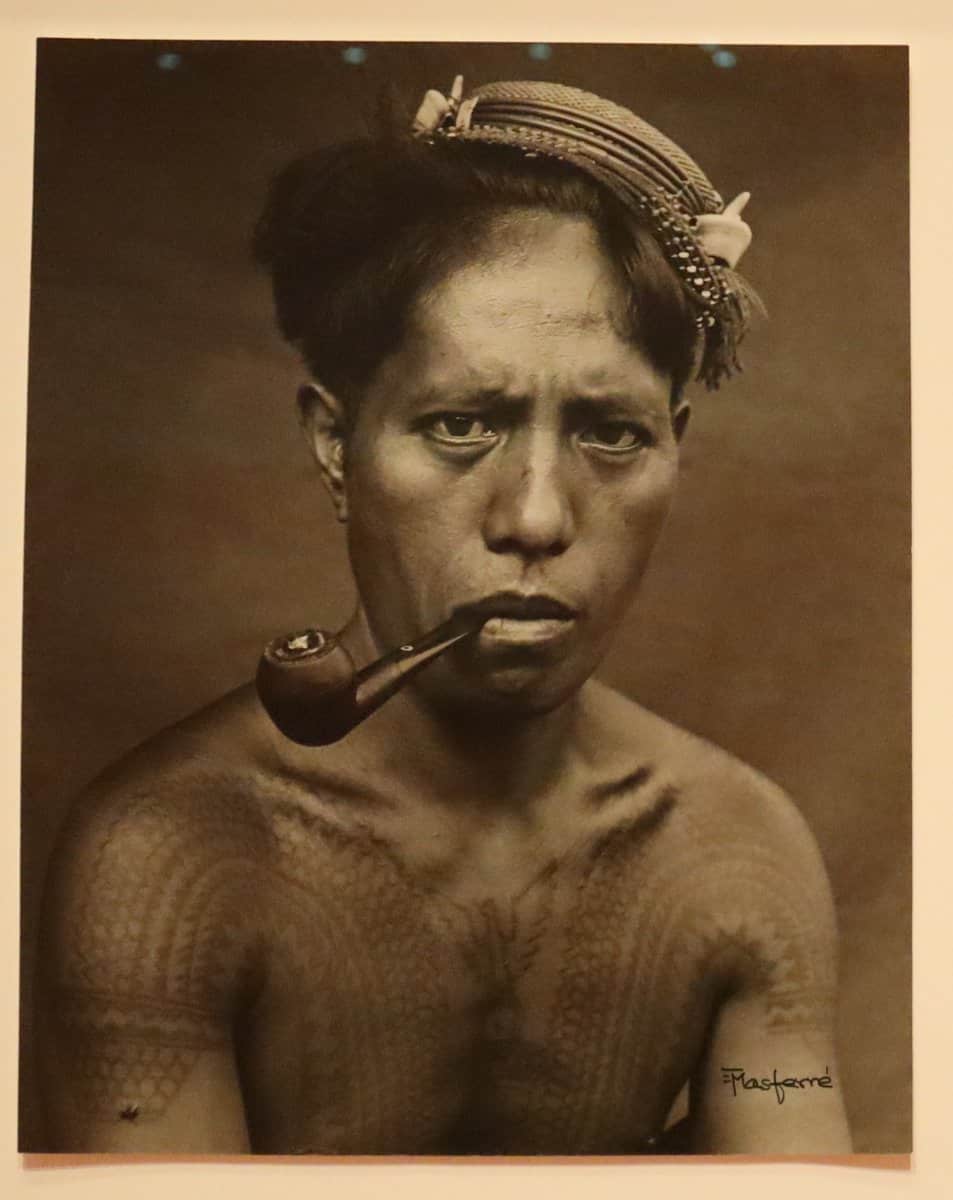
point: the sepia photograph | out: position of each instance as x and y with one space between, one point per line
466 638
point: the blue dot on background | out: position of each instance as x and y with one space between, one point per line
168 61
724 58
354 55
540 51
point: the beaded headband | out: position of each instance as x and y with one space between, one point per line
701 238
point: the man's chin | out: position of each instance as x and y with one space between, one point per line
512 691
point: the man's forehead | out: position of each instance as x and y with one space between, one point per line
494 375
556 281
536 261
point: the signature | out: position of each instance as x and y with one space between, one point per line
738 1077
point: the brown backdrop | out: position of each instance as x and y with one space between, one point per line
173 524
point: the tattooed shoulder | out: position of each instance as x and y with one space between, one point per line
150 939
145 854
164 871
716 842
759 876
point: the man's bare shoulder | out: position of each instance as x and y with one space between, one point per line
190 777
219 785
149 875
203 805
718 797
740 865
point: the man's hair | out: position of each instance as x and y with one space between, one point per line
354 233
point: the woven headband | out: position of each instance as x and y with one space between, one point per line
701 238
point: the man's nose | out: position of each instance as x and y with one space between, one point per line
531 511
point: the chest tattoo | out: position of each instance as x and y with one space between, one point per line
373 1013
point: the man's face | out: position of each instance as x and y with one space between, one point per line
516 445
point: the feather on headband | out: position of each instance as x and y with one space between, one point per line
701 237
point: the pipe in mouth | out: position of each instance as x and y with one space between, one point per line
313 692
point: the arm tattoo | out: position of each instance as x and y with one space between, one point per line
152 924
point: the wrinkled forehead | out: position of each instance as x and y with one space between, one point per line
538 313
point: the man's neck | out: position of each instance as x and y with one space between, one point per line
493 764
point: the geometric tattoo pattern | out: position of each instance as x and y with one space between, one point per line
371 1011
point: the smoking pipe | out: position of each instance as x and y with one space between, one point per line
311 689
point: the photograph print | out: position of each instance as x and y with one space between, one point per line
466 703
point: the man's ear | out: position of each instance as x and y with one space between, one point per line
321 416
680 415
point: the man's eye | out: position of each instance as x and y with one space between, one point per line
616 436
461 429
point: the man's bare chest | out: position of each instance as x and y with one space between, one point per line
557 1015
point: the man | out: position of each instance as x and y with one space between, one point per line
512 912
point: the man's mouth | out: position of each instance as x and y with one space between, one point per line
510 618
518 607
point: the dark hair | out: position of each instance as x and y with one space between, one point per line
352 233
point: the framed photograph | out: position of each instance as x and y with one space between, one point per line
545 409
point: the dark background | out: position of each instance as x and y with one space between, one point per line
174 524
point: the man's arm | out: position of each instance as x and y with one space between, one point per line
765 1092
144 960
769 1082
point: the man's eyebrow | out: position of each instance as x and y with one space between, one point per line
578 405
603 403
463 397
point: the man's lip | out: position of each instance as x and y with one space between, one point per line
519 607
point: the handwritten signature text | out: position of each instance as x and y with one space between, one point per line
739 1079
